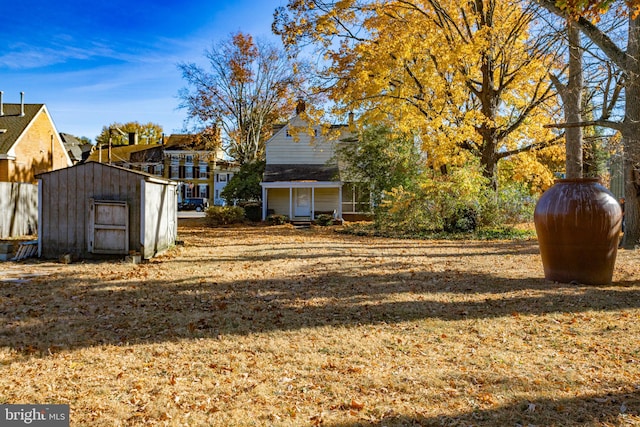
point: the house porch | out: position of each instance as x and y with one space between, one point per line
302 200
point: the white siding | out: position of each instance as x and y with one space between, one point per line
278 201
326 199
300 148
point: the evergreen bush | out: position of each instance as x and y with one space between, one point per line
224 215
275 219
324 220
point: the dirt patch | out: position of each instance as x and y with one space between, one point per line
278 326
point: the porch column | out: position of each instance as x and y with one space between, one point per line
264 203
290 203
313 202
340 202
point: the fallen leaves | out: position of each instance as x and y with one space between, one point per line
280 327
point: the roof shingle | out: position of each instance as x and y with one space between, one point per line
12 125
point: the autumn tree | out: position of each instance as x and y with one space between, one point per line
149 133
625 54
464 76
381 158
244 186
247 87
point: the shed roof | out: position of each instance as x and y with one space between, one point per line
145 175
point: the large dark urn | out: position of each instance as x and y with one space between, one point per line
578 225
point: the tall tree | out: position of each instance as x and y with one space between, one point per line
248 86
571 94
148 133
627 58
465 75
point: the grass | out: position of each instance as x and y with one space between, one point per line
515 232
274 326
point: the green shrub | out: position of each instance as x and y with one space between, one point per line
454 202
253 211
275 219
515 203
324 220
224 215
463 219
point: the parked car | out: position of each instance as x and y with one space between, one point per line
198 204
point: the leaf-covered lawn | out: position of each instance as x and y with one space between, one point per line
276 326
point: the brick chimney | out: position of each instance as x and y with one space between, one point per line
300 106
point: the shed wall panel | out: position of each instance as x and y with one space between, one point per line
159 218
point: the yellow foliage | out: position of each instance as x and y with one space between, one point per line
458 74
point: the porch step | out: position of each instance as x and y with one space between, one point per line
301 222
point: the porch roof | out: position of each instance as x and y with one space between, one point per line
306 173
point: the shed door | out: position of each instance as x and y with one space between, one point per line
108 227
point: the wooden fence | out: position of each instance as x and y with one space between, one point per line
18 209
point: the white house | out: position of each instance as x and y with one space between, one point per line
302 178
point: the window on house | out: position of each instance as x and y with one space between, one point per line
356 198
159 170
188 159
203 171
175 171
203 190
188 172
223 177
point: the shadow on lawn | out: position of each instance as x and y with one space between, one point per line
54 314
611 409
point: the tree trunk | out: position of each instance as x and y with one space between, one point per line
489 164
573 104
631 138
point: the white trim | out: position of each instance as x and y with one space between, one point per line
7 157
56 134
40 218
159 180
302 184
143 190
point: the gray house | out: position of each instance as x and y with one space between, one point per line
93 209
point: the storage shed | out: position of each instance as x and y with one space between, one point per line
93 209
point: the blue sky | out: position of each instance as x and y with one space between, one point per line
95 63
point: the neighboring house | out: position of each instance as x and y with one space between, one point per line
29 142
182 158
122 155
224 171
200 171
77 150
302 177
